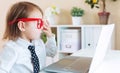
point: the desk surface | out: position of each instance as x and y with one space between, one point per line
84 53
111 63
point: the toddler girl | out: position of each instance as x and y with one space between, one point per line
25 52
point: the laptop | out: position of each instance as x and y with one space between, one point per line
73 64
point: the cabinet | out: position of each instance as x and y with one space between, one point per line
87 37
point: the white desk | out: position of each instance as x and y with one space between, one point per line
110 64
84 53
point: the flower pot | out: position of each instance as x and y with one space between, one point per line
52 20
103 17
76 20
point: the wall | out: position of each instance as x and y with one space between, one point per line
90 16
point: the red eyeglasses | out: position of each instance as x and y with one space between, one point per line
39 21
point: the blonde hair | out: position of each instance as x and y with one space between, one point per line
18 10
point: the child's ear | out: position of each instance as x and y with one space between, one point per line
21 25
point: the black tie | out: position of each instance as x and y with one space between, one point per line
34 59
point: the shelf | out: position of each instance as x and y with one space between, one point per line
66 52
88 34
82 25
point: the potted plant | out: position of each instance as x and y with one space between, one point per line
76 14
103 15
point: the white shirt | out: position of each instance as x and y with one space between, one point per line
16 58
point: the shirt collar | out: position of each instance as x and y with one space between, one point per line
23 43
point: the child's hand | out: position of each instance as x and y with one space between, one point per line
46 29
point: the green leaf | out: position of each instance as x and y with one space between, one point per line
44 37
76 11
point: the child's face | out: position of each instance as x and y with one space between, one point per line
31 30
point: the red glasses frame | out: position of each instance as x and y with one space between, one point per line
39 21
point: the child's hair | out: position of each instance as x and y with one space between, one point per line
18 10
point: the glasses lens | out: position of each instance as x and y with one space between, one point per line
39 23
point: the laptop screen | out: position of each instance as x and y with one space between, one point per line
102 46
